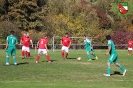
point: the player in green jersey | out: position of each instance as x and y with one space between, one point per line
113 57
11 42
89 49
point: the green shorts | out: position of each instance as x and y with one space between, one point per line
11 50
113 58
89 50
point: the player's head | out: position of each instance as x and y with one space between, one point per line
84 37
24 34
27 35
108 37
66 34
12 32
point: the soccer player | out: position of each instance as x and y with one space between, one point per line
21 42
42 48
65 42
89 49
26 46
130 47
113 57
11 42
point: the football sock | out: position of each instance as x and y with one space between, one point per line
37 57
89 56
62 54
28 54
66 55
14 59
7 59
23 53
108 69
122 68
48 58
94 55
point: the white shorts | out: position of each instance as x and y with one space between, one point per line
130 48
66 49
25 49
43 51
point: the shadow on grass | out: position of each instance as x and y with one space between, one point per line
23 63
51 61
71 58
116 73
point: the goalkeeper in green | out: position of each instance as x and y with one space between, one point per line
11 42
89 49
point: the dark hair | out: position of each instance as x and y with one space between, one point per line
12 32
108 37
84 35
66 33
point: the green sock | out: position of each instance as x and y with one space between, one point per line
89 56
108 70
94 55
7 59
14 59
122 68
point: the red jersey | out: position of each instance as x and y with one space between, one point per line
22 38
130 44
26 41
66 41
42 43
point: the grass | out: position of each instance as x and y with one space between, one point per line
69 73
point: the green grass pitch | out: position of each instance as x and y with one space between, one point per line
69 73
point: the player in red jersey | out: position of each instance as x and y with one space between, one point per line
26 46
21 42
130 47
65 42
42 48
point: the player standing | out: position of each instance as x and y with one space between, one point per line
113 57
130 47
21 42
26 46
42 48
89 49
11 42
65 42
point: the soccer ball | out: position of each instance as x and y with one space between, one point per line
79 58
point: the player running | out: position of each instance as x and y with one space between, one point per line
130 47
89 49
113 57
42 48
11 42
26 46
65 42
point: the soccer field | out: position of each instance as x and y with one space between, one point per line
69 73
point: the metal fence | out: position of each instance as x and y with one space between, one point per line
73 46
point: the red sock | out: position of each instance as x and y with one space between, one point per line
62 54
48 58
23 53
66 55
37 58
28 54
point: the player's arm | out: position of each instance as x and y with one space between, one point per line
38 44
69 44
109 48
31 43
6 45
46 47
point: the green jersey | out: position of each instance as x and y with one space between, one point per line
87 43
111 44
12 41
